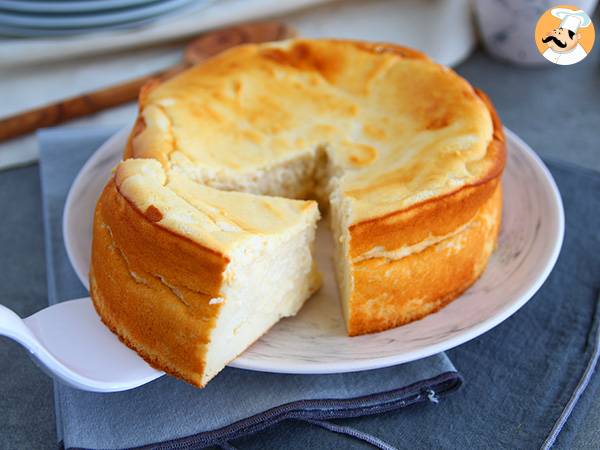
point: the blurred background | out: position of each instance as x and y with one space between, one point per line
53 49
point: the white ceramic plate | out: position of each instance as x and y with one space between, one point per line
315 340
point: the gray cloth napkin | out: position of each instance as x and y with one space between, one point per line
168 413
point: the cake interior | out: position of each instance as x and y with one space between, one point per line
314 174
266 280
307 174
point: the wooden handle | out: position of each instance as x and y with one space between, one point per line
75 107
198 50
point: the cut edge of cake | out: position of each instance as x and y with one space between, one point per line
185 308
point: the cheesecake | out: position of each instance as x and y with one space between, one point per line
403 155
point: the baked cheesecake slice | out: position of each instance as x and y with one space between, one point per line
190 276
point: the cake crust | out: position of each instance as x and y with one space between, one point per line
388 293
137 270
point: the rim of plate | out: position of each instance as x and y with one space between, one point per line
280 366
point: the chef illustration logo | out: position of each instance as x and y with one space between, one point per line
564 35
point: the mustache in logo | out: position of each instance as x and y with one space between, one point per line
555 40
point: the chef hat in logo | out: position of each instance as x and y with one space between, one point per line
571 20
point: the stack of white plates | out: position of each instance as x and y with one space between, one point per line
40 18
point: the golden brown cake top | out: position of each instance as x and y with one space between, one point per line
400 128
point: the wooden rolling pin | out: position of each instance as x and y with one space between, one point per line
196 51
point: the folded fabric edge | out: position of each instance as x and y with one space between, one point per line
325 409
593 343
50 280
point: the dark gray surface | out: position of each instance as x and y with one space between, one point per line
26 400
555 109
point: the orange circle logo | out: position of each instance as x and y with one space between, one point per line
564 35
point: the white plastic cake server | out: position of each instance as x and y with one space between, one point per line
70 343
